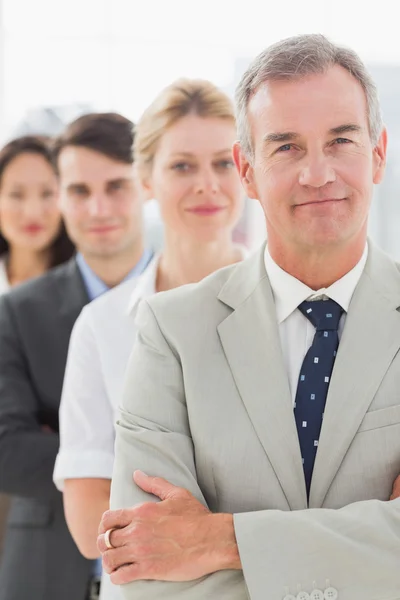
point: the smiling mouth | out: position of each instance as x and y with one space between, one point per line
104 229
33 228
317 202
206 210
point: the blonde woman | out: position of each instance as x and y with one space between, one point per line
183 155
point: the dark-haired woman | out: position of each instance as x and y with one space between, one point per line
32 234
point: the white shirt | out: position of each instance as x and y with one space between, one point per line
4 283
101 342
100 345
295 330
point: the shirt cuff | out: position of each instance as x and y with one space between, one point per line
82 465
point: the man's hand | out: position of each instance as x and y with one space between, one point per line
177 539
396 489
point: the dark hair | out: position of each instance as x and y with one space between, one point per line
62 248
110 134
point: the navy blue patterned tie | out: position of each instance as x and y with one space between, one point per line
315 375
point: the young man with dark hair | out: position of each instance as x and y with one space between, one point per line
103 214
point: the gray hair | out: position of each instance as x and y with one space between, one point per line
297 57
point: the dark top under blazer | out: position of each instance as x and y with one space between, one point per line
40 560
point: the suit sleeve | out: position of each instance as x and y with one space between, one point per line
27 454
153 435
355 549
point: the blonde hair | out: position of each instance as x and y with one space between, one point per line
181 98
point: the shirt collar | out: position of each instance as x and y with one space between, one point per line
145 286
289 292
95 286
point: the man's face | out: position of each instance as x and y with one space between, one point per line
314 163
100 203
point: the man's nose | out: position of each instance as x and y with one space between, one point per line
99 206
317 171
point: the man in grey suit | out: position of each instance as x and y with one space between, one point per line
103 213
263 404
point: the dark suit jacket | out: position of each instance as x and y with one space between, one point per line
40 560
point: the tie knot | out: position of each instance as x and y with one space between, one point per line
323 314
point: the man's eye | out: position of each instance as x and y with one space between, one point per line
285 148
79 192
16 195
115 187
342 141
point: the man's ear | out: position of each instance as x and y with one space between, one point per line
380 157
245 170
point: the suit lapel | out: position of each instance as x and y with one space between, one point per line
251 343
72 293
370 340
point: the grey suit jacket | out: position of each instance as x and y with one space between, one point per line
40 560
207 405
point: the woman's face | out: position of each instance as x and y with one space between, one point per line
194 179
29 210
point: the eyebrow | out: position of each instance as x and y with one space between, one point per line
191 154
118 180
73 187
290 136
347 128
224 151
279 137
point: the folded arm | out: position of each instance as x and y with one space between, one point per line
153 435
27 451
278 550
356 549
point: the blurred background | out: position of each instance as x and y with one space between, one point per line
61 58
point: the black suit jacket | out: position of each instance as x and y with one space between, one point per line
40 560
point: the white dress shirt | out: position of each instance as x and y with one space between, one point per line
4 283
101 343
295 330
100 346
